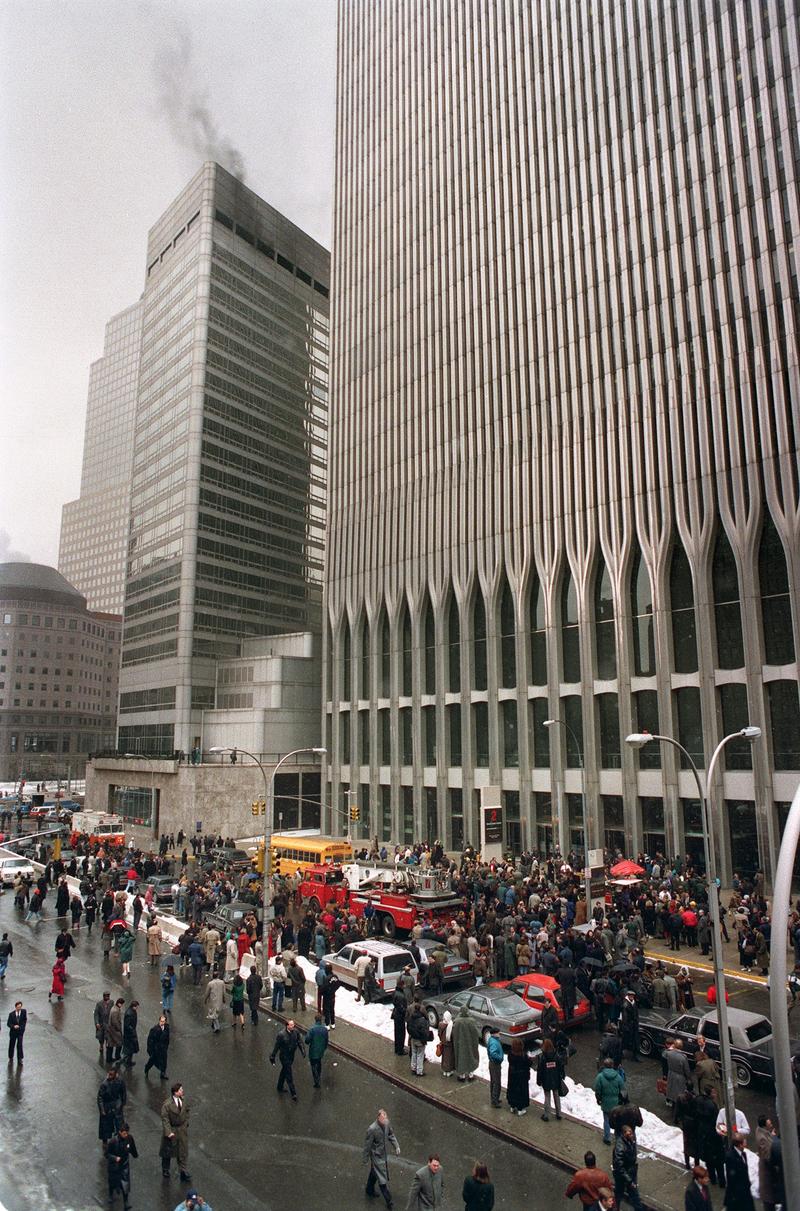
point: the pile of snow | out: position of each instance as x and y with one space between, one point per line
654 1136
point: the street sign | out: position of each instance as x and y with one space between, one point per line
493 825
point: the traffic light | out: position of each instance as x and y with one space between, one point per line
355 814
258 807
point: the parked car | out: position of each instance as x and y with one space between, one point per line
455 968
12 865
490 1007
750 1036
391 960
227 859
538 990
230 916
162 888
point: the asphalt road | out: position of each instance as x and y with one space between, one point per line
250 1148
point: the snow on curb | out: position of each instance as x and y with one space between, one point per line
654 1136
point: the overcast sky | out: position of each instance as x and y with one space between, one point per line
90 155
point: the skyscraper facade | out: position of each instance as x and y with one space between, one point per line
94 528
228 485
565 408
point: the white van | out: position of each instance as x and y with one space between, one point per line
12 865
391 960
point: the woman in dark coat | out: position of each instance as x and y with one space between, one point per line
157 1047
519 1076
478 1191
399 1007
686 1118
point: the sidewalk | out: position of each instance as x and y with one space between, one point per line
662 1182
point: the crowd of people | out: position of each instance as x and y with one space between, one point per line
511 919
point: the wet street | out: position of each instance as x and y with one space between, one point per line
251 1149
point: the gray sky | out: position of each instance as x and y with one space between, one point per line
89 158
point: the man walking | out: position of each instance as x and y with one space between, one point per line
118 1159
379 1138
588 1182
254 986
214 997
317 1042
175 1133
625 1166
6 951
158 1047
427 1188
287 1044
496 1055
102 1010
16 1023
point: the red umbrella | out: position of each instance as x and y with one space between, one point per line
626 868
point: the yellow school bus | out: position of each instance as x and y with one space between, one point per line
289 852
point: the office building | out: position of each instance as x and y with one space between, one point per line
59 664
228 488
94 528
564 421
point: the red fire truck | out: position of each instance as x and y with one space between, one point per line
400 896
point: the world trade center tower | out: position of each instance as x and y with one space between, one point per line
563 476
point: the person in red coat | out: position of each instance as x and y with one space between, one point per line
59 972
242 944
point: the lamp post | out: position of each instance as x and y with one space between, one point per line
269 803
782 1056
638 740
587 874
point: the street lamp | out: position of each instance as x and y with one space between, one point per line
782 1057
638 740
587 874
269 802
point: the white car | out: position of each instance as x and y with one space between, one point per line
11 866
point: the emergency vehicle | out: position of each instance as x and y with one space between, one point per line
399 896
102 828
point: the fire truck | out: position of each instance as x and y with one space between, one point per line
102 828
400 896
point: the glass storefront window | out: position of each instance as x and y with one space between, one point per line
385 729
575 819
429 733
738 754
135 804
540 735
386 813
653 832
346 658
613 824
646 709
511 822
429 631
538 634
508 711
727 612
365 689
608 717
431 814
479 641
480 712
406 741
363 737
406 653
743 836
570 637
776 609
508 638
784 717
604 632
644 648
408 814
453 647
545 823
693 832
456 796
572 714
681 593
690 725
385 634
454 732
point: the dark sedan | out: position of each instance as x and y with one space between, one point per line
490 1007
750 1036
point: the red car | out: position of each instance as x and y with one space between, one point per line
538 990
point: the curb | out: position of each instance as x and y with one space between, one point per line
566 1164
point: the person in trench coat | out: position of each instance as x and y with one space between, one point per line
175 1133
679 1074
427 1188
465 1044
379 1139
114 1032
158 1047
